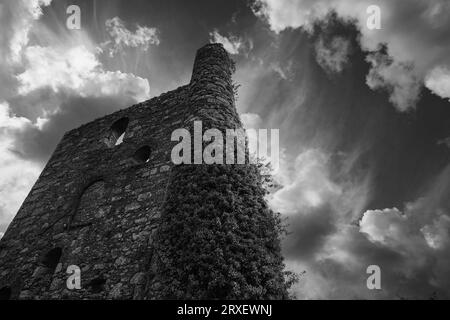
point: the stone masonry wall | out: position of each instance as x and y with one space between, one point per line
111 247
98 205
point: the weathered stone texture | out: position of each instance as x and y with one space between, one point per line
97 205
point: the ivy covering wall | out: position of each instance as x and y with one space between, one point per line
218 239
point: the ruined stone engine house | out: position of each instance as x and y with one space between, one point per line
97 203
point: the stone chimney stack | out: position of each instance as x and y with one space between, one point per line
211 88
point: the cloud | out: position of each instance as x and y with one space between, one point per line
306 184
334 238
16 20
332 55
17 174
437 233
15 186
251 120
233 44
79 70
398 78
445 141
391 228
283 71
316 207
420 238
438 81
122 37
382 225
413 33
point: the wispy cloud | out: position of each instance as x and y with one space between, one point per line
233 44
122 37
332 55
16 21
251 120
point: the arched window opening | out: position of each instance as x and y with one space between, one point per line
91 199
142 155
117 132
5 293
51 259
97 285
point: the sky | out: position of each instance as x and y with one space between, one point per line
363 114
